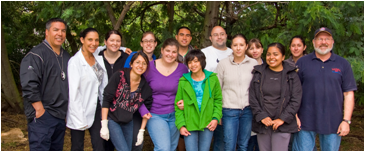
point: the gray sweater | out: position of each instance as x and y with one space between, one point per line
235 81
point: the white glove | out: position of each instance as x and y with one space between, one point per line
140 137
104 131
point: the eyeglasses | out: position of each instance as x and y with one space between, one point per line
221 34
141 63
326 39
148 41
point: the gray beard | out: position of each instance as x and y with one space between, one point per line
319 51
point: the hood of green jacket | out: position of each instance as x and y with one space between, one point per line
208 74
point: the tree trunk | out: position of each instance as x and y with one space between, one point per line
72 41
210 21
9 91
117 23
171 12
229 20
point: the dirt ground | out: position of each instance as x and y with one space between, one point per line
352 142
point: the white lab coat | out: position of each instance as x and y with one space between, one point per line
84 89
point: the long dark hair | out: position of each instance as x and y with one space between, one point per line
301 39
144 56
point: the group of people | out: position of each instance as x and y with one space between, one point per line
187 97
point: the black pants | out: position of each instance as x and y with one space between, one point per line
77 136
137 122
46 133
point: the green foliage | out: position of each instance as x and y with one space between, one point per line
357 65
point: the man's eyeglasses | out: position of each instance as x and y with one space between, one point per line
221 34
321 39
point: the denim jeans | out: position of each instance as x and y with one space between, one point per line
237 124
163 131
198 140
305 141
253 144
121 135
218 143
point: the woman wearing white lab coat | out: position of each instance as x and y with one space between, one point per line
87 79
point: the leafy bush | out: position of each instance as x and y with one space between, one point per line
357 64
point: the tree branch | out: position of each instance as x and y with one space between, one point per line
197 11
281 22
122 15
235 15
110 12
144 11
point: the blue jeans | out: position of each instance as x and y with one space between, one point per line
237 124
121 135
253 145
218 143
198 140
305 141
163 131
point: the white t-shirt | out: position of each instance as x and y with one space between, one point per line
213 56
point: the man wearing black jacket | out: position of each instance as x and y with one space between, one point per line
43 76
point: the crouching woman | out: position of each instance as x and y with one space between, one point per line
275 96
201 92
126 92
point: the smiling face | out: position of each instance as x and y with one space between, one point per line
169 53
183 37
255 51
274 58
113 43
297 48
239 46
148 43
323 43
218 37
90 42
139 66
194 65
56 34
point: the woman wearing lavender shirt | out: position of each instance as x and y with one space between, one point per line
163 77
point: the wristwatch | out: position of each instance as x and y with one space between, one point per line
348 121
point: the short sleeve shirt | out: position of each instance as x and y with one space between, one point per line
323 86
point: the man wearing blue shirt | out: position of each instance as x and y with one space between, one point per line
328 96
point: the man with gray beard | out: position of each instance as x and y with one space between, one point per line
328 96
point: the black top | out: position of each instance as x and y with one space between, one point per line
290 99
120 101
40 77
118 64
271 90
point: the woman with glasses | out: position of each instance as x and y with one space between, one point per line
148 44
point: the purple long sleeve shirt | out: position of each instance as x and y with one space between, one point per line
164 88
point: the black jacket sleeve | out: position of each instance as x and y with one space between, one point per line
257 111
31 69
110 89
288 114
147 93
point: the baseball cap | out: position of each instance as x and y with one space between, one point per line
322 29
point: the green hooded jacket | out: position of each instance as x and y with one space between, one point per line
211 107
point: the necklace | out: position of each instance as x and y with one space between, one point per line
63 75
